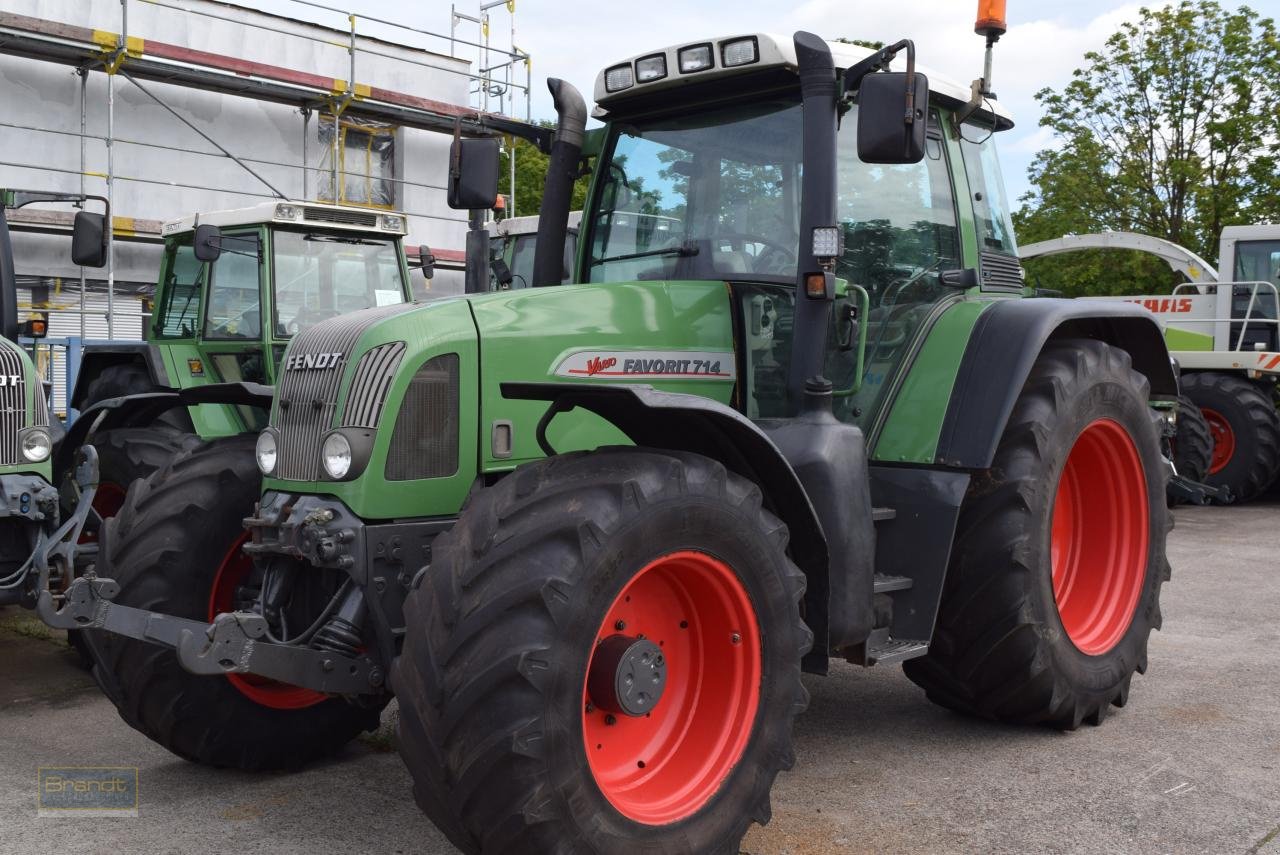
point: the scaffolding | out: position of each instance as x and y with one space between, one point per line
493 85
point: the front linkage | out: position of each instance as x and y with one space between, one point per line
379 563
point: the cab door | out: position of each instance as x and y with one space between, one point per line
232 329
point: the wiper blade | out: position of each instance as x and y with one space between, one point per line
684 250
341 239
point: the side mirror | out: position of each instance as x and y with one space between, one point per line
473 174
89 240
884 134
208 243
427 260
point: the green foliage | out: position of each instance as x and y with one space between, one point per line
1172 130
531 173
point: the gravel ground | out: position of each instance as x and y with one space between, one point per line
1191 765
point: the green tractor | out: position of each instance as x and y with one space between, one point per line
37 547
234 288
590 535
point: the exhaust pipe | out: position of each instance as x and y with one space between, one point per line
562 172
8 282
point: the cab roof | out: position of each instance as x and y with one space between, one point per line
777 52
315 214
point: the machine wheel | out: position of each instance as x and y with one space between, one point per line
130 378
560 594
1245 428
174 548
1055 575
1193 442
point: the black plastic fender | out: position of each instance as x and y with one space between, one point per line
679 422
143 409
1007 340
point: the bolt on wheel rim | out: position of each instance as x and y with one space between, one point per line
1100 537
664 765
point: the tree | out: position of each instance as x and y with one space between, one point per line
1172 129
531 172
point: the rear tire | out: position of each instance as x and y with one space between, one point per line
166 549
130 378
1246 432
1055 575
495 713
1193 443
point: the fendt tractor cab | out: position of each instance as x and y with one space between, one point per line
37 546
1224 331
589 535
234 288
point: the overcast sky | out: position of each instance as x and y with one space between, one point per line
1045 42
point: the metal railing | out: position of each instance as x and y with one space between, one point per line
1206 288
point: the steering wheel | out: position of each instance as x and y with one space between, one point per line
776 258
308 317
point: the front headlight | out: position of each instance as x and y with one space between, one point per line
335 454
266 451
36 445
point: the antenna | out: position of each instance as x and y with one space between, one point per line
992 24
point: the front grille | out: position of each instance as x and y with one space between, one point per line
13 403
368 395
307 398
1001 271
350 218
425 442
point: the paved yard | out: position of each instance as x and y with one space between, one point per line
1191 765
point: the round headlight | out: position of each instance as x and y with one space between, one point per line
265 451
335 454
36 445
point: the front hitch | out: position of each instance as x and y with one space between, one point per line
233 643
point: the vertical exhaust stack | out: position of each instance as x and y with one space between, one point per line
8 282
818 93
562 172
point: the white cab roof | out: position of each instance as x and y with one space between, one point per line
314 214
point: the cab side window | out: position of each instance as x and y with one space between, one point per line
235 310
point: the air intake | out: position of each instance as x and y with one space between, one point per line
349 218
425 442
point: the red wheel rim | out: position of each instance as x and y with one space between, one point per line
1099 537
1224 440
662 767
232 573
107 502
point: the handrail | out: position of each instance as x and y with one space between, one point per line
1203 288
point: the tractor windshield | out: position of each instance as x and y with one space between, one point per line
320 275
712 195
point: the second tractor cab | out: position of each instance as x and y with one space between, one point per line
589 535
511 248
1224 331
234 288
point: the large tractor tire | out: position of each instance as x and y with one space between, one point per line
1245 428
1193 442
174 548
1055 575
558 597
130 378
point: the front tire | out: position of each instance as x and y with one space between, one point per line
1055 575
507 723
174 548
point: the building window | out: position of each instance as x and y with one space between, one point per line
366 163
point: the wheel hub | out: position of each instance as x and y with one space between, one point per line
628 675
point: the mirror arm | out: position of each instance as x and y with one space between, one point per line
879 61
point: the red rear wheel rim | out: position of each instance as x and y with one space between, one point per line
1100 537
1224 440
662 767
232 573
